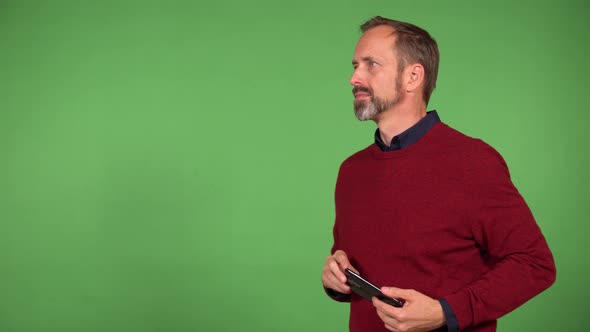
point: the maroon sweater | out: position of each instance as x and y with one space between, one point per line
441 217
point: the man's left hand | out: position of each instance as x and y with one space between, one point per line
419 313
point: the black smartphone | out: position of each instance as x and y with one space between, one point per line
367 290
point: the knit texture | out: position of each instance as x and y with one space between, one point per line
441 217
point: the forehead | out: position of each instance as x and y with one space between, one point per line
376 42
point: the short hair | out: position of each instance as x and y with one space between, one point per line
413 45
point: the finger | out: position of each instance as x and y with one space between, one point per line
386 309
335 269
406 294
342 259
331 281
343 262
333 277
388 321
337 285
390 328
343 287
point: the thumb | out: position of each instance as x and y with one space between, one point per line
399 293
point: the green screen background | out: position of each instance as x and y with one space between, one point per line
170 166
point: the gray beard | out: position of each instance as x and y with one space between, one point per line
369 110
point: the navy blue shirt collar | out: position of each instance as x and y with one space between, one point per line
411 135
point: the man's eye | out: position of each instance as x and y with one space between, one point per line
372 64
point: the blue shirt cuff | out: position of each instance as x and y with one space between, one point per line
452 323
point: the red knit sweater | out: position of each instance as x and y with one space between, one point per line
441 217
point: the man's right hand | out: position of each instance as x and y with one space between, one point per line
333 272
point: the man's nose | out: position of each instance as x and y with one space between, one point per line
356 78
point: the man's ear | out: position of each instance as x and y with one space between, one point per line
414 77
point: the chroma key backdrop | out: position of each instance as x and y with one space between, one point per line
170 165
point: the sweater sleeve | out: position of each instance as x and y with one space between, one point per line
335 295
504 228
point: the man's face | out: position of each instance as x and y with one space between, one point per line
376 81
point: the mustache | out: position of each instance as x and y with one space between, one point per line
361 88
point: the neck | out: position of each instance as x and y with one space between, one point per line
397 120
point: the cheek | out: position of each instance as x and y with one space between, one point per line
388 87
383 83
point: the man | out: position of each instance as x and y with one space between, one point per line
427 211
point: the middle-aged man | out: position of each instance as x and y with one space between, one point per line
426 211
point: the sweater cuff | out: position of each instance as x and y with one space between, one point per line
461 304
452 323
337 296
